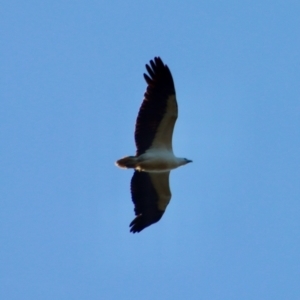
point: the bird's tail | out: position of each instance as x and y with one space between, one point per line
127 162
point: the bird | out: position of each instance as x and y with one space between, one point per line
154 158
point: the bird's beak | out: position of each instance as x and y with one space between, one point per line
189 161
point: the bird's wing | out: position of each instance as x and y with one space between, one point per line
158 112
150 194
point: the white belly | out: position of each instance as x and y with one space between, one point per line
157 161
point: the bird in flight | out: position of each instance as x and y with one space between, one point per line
154 159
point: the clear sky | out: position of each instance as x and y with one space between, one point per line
70 87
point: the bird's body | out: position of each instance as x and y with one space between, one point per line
154 157
154 160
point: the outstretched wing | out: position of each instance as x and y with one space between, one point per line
150 194
158 112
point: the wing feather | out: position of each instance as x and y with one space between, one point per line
159 103
150 194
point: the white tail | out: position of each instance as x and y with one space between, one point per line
128 162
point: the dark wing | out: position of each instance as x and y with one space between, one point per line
159 102
150 194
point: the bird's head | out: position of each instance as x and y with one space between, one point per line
185 161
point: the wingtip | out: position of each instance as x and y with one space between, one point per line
140 222
136 224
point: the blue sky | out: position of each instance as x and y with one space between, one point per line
71 85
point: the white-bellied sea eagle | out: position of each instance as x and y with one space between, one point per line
154 157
